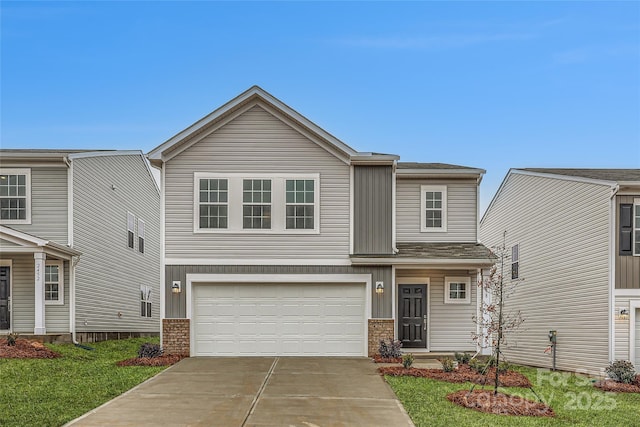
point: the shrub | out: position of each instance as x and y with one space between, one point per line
11 339
503 367
462 358
447 364
621 371
390 349
479 366
150 350
407 360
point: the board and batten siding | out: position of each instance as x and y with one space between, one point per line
175 304
373 210
109 274
461 211
451 325
627 268
562 228
256 142
49 205
23 298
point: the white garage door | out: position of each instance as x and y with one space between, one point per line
279 319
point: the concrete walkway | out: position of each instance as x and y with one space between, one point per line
257 391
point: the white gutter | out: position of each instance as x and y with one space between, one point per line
612 272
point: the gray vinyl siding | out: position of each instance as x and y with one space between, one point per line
461 211
256 142
49 205
372 210
622 330
109 274
451 325
23 299
627 269
562 228
175 304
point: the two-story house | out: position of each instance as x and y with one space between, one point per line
574 235
79 244
279 239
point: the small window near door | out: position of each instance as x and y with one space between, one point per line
145 301
131 229
53 284
457 290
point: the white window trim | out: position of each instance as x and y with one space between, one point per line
235 203
60 300
636 226
517 260
138 235
423 207
147 290
27 173
447 283
315 204
133 230
263 204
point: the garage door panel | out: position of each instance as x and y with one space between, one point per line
275 319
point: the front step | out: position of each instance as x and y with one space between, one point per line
427 355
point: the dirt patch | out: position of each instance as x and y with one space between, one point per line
502 404
379 359
25 349
610 385
460 375
165 360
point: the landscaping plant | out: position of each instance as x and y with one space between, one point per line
390 349
11 339
621 371
407 360
447 364
462 358
150 350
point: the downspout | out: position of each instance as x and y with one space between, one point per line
612 273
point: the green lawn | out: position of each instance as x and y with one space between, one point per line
51 392
575 401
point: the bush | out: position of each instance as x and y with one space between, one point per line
479 366
621 371
407 360
390 349
447 364
11 339
150 350
503 367
462 358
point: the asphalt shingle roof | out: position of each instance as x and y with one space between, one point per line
603 174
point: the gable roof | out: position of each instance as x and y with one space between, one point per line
617 175
249 98
33 243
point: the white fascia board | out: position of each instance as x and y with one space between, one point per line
19 237
423 262
255 91
458 173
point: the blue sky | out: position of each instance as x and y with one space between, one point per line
486 84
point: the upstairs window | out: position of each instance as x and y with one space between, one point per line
433 208
515 259
53 283
636 228
629 229
214 203
300 195
15 196
145 301
131 229
256 203
457 290
140 236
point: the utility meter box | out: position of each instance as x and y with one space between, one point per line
553 335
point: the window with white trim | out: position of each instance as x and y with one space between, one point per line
515 261
140 236
53 283
636 227
15 196
131 229
145 301
214 203
457 290
299 199
256 203
433 202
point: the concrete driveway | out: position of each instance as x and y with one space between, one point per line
257 391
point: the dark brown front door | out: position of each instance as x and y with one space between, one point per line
412 316
4 298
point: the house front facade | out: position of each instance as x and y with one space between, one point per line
79 244
574 236
279 239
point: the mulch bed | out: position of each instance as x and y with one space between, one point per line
164 360
502 404
610 385
25 349
379 359
460 375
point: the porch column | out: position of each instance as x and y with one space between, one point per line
39 328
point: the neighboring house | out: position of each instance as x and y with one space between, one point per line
79 244
279 239
575 239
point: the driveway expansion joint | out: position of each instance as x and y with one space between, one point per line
256 399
